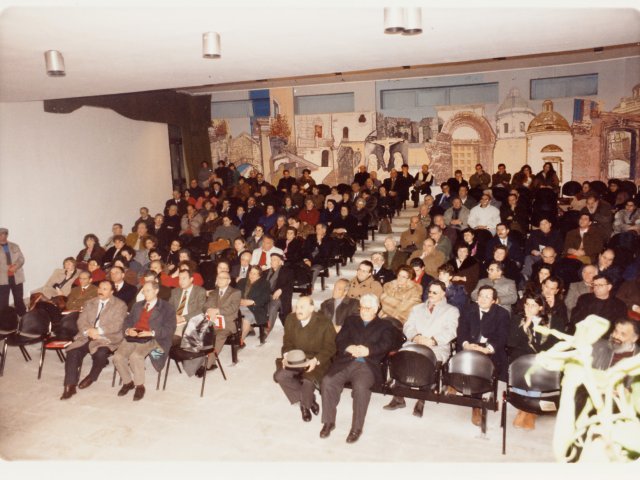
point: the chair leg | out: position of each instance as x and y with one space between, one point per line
322 283
204 375
166 374
113 380
373 235
338 268
483 421
25 354
504 423
42 353
4 357
220 365
178 366
362 244
158 382
61 356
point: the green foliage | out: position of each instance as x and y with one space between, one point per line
608 426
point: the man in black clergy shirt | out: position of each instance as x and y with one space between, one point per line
361 345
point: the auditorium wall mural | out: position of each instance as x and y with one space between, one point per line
594 143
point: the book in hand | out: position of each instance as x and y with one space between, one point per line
218 321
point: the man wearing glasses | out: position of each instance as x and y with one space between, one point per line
433 324
361 344
601 302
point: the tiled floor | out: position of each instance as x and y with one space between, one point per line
244 419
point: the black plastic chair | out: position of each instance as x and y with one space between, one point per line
233 340
178 354
571 188
545 384
599 187
629 187
8 325
32 328
58 339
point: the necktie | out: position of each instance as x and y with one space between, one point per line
183 303
221 293
100 307
243 272
146 307
263 259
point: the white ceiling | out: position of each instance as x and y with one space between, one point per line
125 49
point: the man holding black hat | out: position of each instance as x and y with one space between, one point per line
11 274
312 334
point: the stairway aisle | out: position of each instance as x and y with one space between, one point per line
398 225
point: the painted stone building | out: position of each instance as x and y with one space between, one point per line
549 139
512 121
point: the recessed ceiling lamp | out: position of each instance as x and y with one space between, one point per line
211 45
407 21
55 63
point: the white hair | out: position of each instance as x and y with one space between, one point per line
370 300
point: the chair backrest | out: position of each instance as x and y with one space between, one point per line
8 320
599 187
542 380
68 327
471 372
34 323
414 366
571 188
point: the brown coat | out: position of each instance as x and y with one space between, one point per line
77 298
416 238
358 289
593 242
397 302
431 262
399 259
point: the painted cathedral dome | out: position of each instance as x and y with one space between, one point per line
548 120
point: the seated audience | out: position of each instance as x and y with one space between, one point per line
399 296
254 302
79 295
340 306
506 292
91 251
364 282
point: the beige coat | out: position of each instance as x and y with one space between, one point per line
16 258
358 289
397 302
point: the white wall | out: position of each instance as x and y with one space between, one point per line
65 175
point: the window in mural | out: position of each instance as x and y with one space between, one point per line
619 154
325 158
506 127
464 155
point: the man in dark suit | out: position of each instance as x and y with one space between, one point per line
484 327
394 188
339 306
380 273
99 334
503 237
223 300
286 182
601 302
187 300
317 251
251 216
362 343
178 201
442 201
123 290
361 176
280 280
149 328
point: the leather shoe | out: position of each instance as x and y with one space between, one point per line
327 428
476 416
306 414
200 371
69 391
418 409
85 383
139 393
125 389
354 435
395 403
315 408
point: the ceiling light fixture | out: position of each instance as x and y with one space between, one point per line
407 21
55 63
211 45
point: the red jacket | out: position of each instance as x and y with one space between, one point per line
312 217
